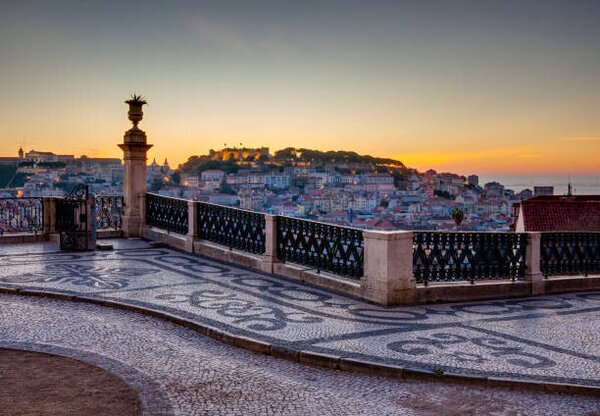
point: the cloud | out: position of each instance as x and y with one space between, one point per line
225 36
220 35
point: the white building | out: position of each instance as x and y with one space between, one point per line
191 181
212 175
278 181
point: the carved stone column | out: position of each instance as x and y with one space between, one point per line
134 148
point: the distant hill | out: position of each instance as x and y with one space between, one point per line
339 156
198 164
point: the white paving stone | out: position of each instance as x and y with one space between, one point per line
195 375
548 339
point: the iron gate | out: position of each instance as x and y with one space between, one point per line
72 219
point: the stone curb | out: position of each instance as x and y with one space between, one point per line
321 360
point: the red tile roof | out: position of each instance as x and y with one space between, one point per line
562 213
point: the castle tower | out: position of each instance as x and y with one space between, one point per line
21 153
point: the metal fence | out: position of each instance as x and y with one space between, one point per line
455 257
170 214
437 256
235 228
109 209
569 253
338 250
21 215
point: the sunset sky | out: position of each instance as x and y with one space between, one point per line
488 87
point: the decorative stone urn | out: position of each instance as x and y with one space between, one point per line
136 102
135 135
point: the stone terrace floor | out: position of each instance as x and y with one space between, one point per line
176 371
547 339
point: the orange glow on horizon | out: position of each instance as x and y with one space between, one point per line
177 137
557 159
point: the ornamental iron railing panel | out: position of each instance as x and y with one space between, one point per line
109 209
569 253
455 256
21 215
170 214
235 228
334 249
72 219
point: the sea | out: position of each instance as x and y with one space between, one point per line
582 185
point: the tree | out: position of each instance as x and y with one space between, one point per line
443 194
458 216
285 155
156 184
7 172
225 188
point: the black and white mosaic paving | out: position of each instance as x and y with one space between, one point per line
176 371
552 338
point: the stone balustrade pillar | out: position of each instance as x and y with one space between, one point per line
192 234
91 223
532 261
388 267
270 255
134 148
49 208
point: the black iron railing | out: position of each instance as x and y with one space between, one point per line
21 215
330 248
166 213
109 209
454 256
569 253
231 227
72 219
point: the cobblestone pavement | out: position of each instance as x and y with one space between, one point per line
551 339
177 371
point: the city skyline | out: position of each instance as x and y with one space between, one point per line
506 87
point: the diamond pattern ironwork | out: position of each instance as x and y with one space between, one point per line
330 248
235 228
454 257
570 253
166 213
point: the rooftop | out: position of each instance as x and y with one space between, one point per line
561 213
